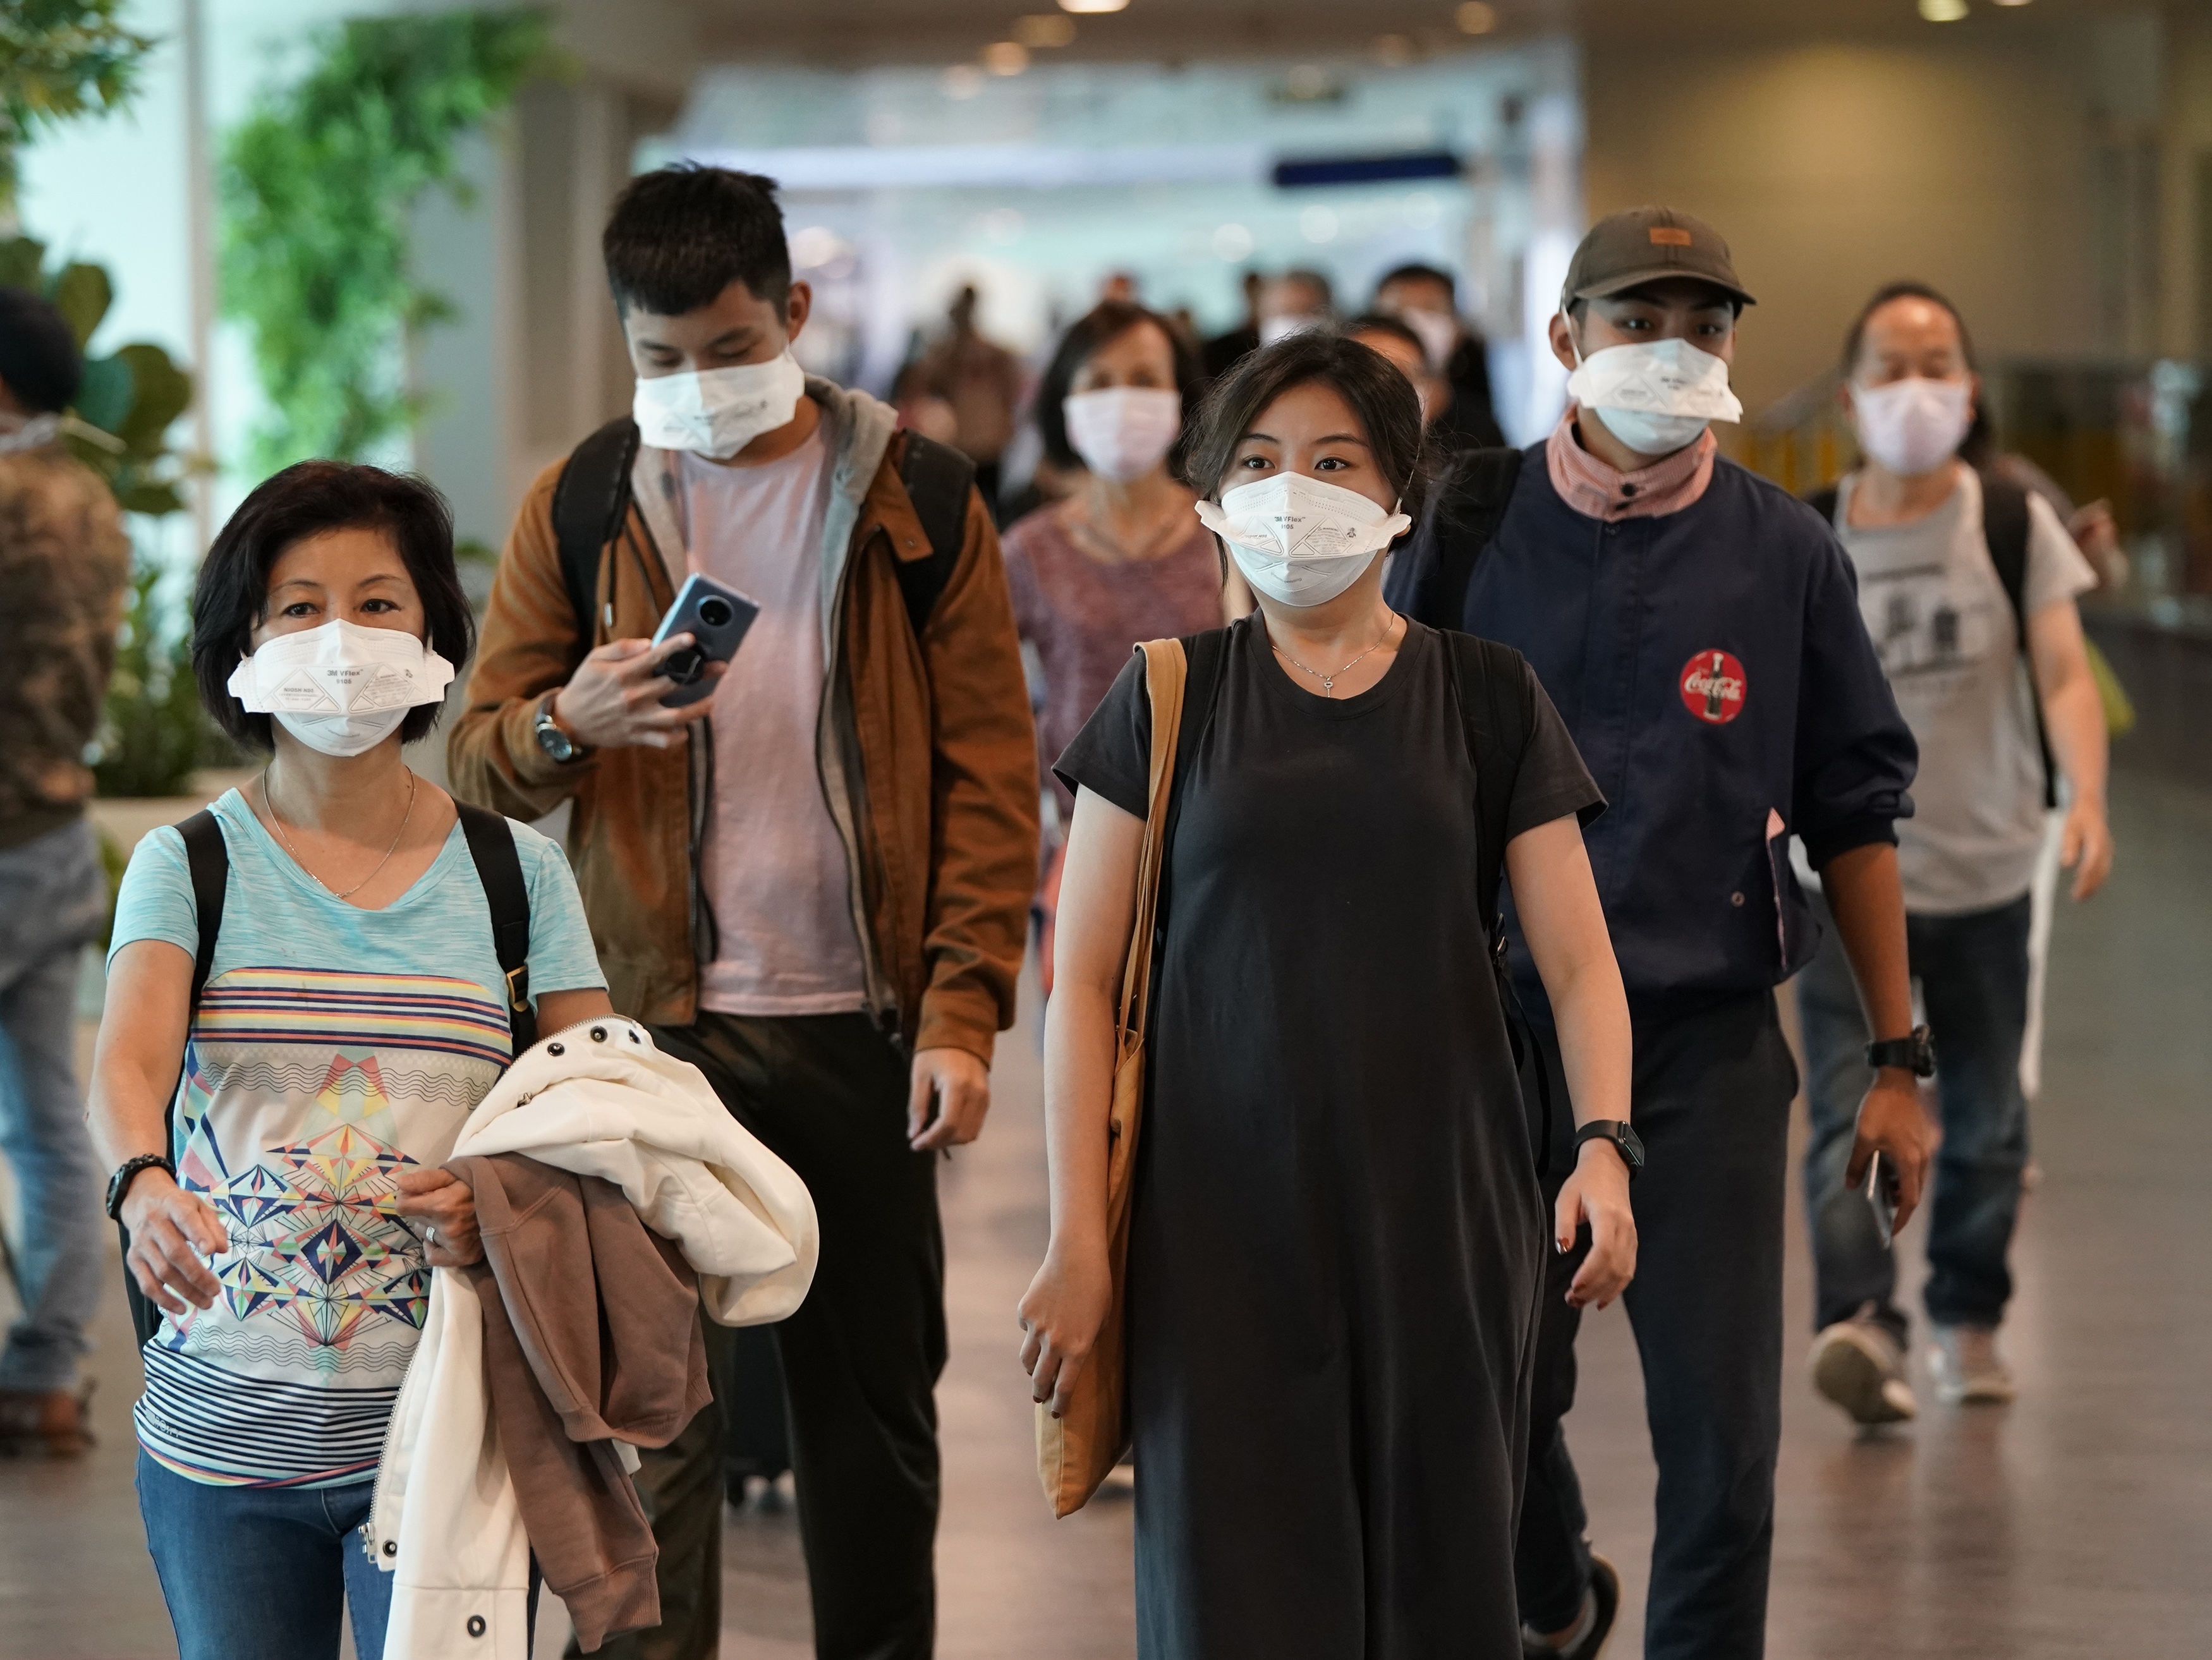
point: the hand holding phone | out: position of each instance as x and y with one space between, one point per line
716 617
1881 1194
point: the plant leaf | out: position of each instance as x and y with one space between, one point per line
82 295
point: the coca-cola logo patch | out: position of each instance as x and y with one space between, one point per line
1713 686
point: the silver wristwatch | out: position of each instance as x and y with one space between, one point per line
553 738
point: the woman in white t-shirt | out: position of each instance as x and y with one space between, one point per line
1925 533
287 1220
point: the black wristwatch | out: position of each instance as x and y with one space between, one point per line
118 1185
1915 1053
1624 1139
553 738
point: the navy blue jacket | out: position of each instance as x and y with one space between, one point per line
1713 668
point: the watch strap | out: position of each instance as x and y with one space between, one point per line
118 1185
1622 1137
1916 1053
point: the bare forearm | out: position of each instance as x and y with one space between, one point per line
125 1109
1595 1043
1079 1094
1866 899
2074 714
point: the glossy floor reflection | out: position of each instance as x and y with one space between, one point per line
2073 1523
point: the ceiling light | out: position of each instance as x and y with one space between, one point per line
2012 3
1476 18
1084 6
1005 57
1943 11
1231 242
1394 50
1047 29
1318 225
963 82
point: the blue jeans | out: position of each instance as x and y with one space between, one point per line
262 1573
53 894
1973 973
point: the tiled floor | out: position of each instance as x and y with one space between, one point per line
2074 1523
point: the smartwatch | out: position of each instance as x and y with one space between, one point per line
118 1185
1915 1053
1624 1139
553 738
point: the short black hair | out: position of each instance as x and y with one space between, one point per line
681 235
1420 273
305 500
1855 337
39 355
1103 323
1388 409
1378 322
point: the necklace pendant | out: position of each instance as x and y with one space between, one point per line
1329 686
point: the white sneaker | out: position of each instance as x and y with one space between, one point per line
1969 1371
1857 1365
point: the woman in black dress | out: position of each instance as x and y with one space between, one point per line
1337 1230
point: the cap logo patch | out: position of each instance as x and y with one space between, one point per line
1670 236
1713 686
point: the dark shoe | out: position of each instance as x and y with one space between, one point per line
1600 1607
48 1422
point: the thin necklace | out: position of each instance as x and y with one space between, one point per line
270 807
1328 681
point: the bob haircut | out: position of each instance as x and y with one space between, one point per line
1090 333
305 500
1388 409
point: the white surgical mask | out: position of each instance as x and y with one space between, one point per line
341 687
1654 396
1913 426
1439 332
1122 432
1299 540
717 412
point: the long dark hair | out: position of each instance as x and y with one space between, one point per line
1388 409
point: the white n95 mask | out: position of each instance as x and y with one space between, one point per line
1913 426
1654 396
341 688
717 412
1298 540
1122 432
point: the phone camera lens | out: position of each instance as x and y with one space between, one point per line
715 613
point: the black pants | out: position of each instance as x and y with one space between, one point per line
861 1358
1711 1099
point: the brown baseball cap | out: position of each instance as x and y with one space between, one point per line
1648 245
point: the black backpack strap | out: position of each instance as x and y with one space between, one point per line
1465 509
207 857
939 481
590 500
1498 713
2005 524
1823 501
499 868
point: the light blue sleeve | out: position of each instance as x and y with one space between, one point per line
155 901
561 954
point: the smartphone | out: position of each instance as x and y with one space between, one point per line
1881 1194
716 617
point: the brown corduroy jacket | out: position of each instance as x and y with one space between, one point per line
925 749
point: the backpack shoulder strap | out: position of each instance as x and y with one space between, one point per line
1494 703
589 501
1461 521
1823 501
208 857
939 481
499 868
2005 524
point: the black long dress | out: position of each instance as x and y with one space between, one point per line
1338 1236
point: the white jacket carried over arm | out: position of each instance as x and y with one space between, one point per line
598 1099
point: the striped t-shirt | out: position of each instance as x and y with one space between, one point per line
334 1048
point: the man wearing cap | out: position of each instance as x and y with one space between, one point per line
1699 630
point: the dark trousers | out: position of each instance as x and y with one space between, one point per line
1711 1099
1973 971
861 1358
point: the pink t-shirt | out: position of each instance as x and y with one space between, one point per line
773 865
1083 615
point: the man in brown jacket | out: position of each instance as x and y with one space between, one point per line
813 883
63 563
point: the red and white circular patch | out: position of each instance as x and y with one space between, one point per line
1712 686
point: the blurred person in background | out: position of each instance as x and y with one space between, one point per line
1967 583
980 381
1697 630
813 885
1221 354
1295 300
1395 341
64 561
1426 300
1123 558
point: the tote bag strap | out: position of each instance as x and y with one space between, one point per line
1166 668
